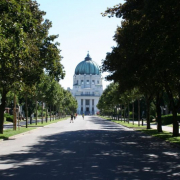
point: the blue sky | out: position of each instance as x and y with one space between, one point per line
81 28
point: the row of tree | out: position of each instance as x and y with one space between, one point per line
27 51
147 55
129 105
46 98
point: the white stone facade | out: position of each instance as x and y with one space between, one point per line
87 90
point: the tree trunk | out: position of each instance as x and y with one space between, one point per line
175 106
26 113
175 123
50 112
121 114
53 113
158 111
31 119
18 118
138 112
14 114
2 109
148 114
133 113
42 114
128 113
36 112
46 115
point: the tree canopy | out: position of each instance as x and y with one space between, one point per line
147 52
26 48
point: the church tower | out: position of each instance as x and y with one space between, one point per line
87 86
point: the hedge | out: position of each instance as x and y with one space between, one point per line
168 119
9 118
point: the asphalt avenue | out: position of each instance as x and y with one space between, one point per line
89 149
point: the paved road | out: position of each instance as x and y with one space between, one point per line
90 149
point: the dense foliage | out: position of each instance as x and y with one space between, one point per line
27 51
147 53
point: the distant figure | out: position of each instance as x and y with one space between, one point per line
71 118
83 116
74 115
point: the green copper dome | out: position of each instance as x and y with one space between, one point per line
87 67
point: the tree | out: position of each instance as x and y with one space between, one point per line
25 48
143 45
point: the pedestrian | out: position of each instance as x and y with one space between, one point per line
83 115
71 120
74 116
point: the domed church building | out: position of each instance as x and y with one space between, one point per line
87 86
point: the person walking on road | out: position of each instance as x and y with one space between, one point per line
71 118
83 116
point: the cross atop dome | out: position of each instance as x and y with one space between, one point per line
88 58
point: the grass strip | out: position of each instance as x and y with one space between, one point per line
167 136
7 122
10 132
46 123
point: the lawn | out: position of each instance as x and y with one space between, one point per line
10 132
46 123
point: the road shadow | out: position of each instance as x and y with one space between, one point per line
94 154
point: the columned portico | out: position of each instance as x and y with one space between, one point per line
87 86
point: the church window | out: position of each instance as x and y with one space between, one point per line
87 81
93 102
81 102
87 101
93 82
97 82
77 82
82 82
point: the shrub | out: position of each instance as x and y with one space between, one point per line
151 118
9 118
6 114
168 119
130 115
